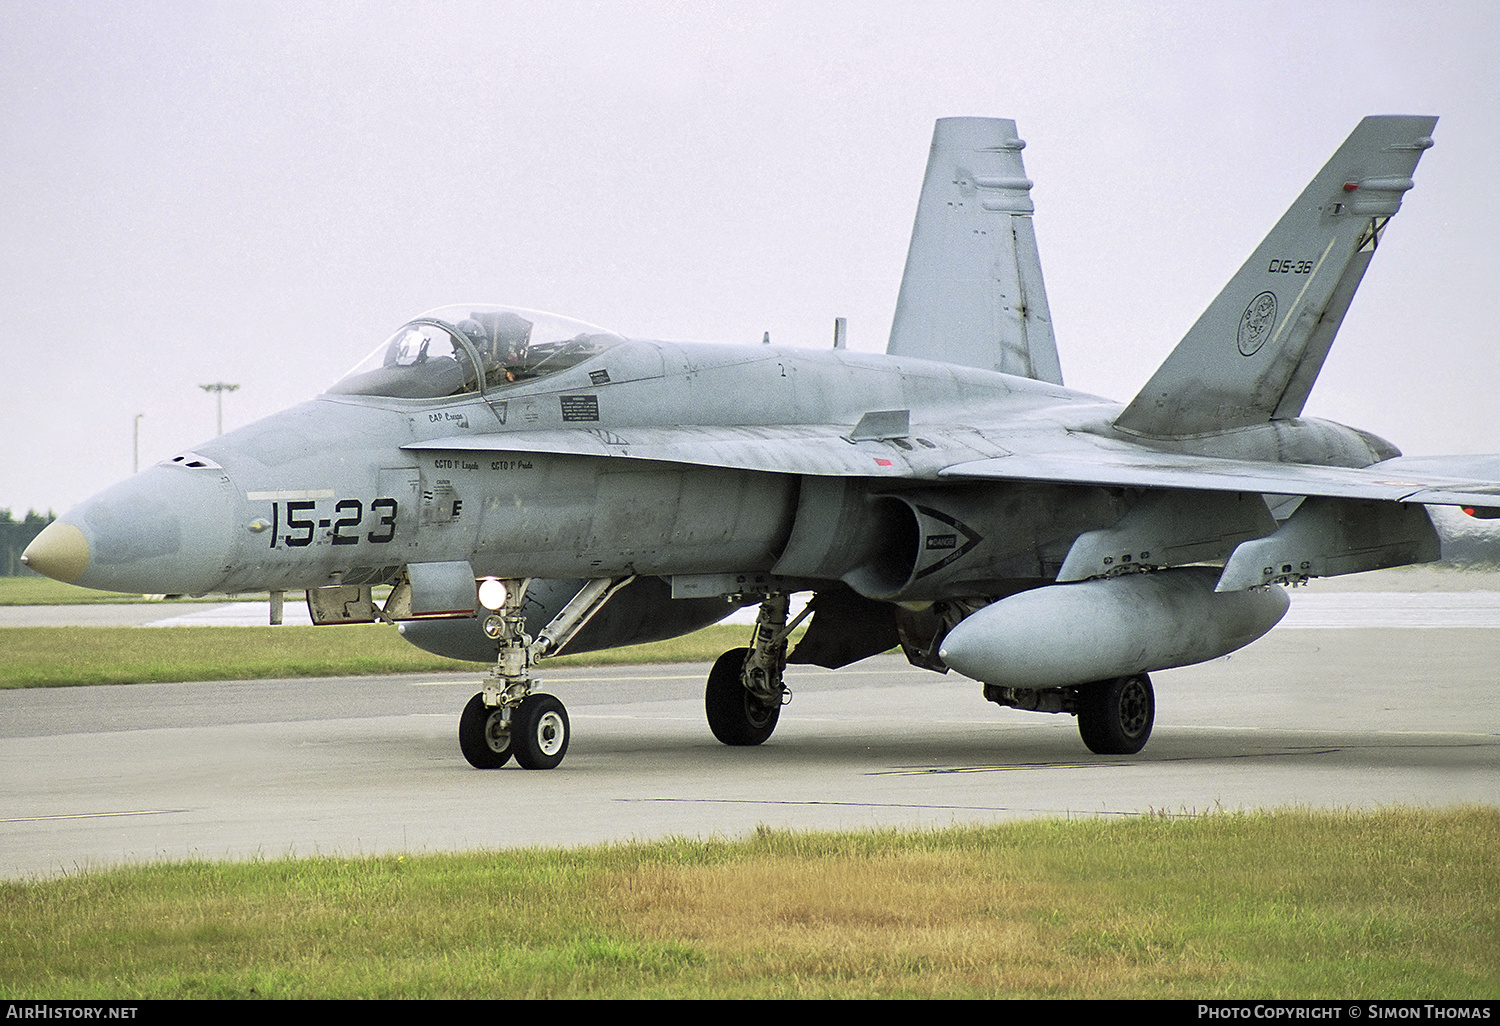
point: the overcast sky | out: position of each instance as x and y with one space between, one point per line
259 193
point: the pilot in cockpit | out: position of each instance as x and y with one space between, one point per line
433 355
502 339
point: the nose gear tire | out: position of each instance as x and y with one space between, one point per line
482 735
539 732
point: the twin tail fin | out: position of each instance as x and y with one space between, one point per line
972 293
1254 354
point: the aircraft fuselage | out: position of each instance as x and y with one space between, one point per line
332 492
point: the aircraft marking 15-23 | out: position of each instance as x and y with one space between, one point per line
353 512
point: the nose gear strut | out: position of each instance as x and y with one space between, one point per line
508 717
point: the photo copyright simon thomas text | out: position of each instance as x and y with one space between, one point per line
1374 1010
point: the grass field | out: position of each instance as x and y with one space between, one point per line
1399 904
32 590
43 591
66 656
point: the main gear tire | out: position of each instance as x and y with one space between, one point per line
736 716
1115 716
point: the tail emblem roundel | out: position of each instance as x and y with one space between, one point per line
1256 323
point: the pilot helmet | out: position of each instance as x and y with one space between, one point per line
475 333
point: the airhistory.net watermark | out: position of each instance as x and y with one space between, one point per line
51 1010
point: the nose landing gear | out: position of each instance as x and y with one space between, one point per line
508 718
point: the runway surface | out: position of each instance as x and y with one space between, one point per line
1314 717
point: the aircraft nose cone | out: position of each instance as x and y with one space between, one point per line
61 552
164 531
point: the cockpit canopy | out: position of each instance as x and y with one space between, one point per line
458 349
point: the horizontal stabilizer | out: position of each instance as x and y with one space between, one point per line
1254 354
972 293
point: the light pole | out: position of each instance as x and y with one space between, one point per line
135 463
219 388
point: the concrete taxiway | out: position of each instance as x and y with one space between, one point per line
1314 717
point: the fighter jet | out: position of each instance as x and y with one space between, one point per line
527 484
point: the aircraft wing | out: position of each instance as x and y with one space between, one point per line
1430 480
827 451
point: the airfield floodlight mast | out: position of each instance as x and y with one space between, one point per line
219 388
952 497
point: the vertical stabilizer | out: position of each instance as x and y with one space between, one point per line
1254 354
972 293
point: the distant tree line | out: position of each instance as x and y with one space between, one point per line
15 535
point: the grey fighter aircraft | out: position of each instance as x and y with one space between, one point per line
528 484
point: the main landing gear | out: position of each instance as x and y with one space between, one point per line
508 719
745 691
1114 716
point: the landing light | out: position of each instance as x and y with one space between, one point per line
491 593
